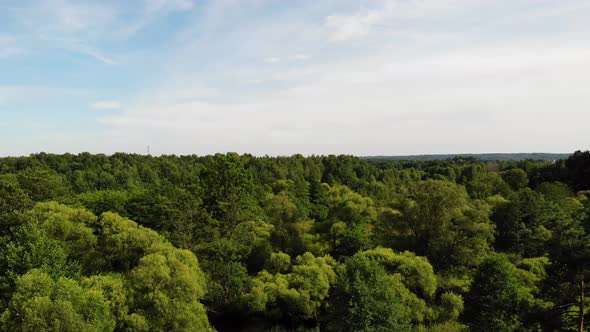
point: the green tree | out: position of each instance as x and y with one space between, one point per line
441 223
349 220
504 297
228 190
516 178
55 261
104 201
379 290
166 287
298 291
41 303
43 184
12 197
367 298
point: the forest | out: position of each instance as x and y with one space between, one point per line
480 156
231 242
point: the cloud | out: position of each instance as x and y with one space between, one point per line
62 16
75 46
272 59
396 16
345 27
152 6
93 54
9 47
437 89
300 57
88 27
106 105
152 10
9 51
73 26
386 76
17 93
469 99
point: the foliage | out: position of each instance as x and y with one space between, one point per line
330 243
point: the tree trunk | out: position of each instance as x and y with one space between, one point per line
582 303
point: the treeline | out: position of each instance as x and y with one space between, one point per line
479 156
333 243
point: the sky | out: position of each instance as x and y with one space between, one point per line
279 77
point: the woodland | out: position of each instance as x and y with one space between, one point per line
231 242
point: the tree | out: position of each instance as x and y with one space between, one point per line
298 291
71 271
42 184
228 190
531 225
105 201
504 297
12 197
114 289
262 227
578 166
441 223
283 214
367 298
123 242
349 220
516 178
416 272
69 227
379 290
166 287
43 304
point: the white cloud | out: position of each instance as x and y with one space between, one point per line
417 93
471 99
272 59
85 27
73 26
418 76
9 47
253 81
152 6
63 16
300 57
94 54
345 27
349 26
106 105
9 51
15 93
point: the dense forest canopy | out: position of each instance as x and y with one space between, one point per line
232 242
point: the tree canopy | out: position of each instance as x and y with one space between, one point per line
233 242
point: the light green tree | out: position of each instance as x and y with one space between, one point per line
298 291
41 303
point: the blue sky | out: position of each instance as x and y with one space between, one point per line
303 76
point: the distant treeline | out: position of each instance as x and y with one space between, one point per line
232 242
482 156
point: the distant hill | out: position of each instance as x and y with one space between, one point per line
482 156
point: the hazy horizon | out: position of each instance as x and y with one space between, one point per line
146 153
267 77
